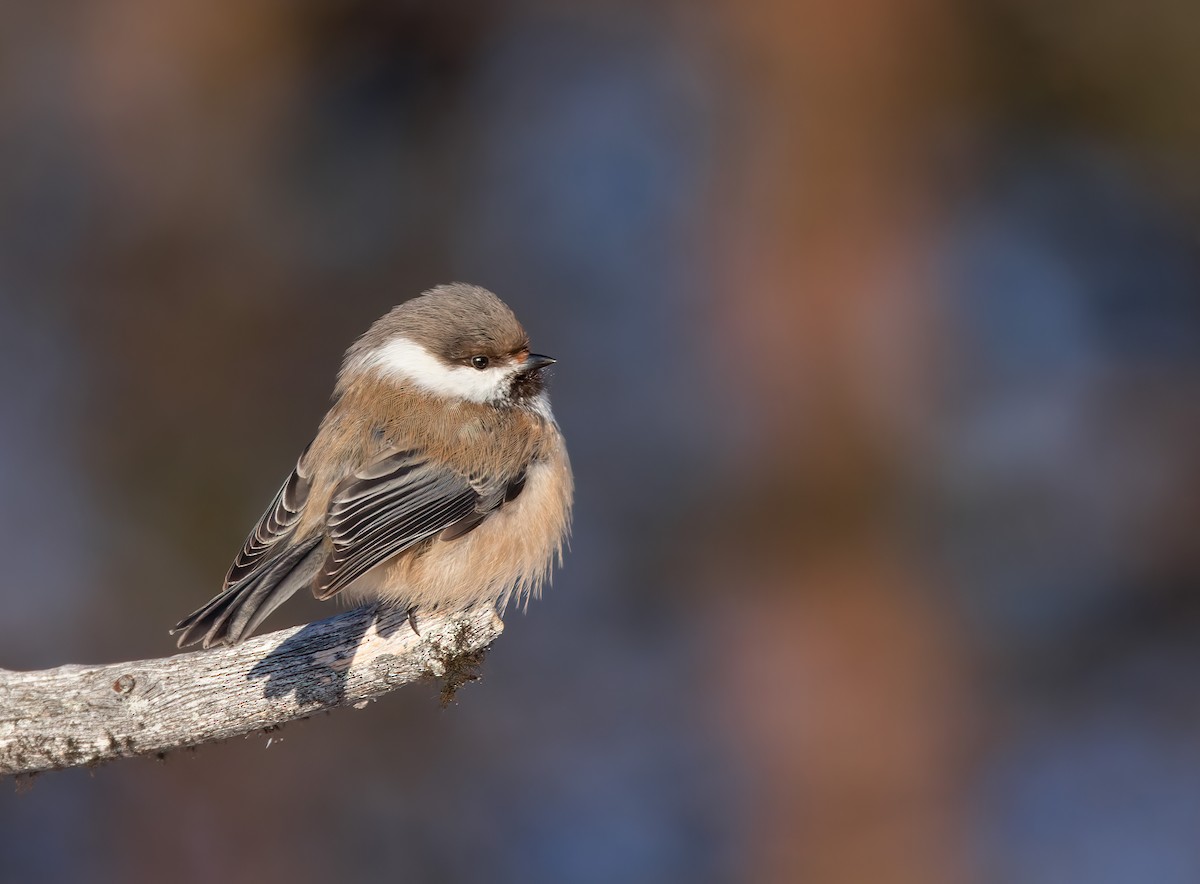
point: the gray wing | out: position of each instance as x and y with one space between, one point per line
273 529
393 505
272 564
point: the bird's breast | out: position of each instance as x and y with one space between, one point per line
509 555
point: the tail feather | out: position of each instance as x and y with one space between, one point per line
270 594
231 616
208 627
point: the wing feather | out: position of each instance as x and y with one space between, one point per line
275 525
388 508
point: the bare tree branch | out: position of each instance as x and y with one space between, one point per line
85 715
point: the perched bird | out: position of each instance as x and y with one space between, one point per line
438 480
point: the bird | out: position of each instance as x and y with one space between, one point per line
437 481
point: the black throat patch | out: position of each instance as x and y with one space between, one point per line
526 385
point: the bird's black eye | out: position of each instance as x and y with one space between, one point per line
480 362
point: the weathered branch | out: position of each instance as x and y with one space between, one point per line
85 715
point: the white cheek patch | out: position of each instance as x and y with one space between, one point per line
402 358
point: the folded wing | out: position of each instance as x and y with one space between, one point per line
271 566
391 506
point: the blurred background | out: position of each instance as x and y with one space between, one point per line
879 329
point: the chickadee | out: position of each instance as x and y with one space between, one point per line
438 479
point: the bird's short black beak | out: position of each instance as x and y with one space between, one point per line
534 362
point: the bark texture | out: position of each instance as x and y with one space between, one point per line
86 715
